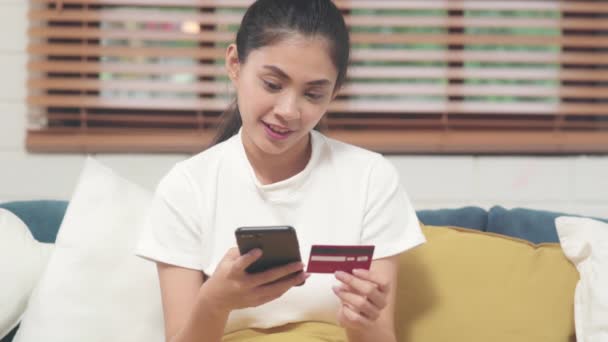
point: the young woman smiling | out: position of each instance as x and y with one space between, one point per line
270 167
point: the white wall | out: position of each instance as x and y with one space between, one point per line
570 184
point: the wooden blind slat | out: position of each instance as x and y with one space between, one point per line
126 68
457 122
117 141
468 141
590 58
71 84
125 117
91 33
193 141
82 50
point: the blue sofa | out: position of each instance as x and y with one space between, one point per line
43 218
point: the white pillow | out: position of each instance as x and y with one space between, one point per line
94 287
585 243
22 260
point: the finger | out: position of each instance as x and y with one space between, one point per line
383 286
355 317
345 287
243 261
276 289
275 273
232 254
366 288
358 303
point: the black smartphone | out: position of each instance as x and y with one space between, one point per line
279 245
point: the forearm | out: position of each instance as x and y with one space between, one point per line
373 334
206 323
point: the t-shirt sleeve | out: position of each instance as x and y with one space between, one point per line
172 232
390 222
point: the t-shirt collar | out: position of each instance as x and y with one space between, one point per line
285 189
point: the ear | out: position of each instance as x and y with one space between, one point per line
232 63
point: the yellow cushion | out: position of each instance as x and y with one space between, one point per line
296 332
466 285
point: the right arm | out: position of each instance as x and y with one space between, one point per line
196 309
187 316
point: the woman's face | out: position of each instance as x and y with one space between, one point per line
283 91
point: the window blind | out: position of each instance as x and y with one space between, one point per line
429 76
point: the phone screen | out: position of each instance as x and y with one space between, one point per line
279 245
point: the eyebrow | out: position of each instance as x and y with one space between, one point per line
282 74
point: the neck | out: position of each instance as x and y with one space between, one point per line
273 168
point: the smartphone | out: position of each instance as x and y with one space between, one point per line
279 245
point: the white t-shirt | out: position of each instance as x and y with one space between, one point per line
345 195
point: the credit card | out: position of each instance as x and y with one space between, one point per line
329 258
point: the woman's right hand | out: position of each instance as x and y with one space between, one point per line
231 287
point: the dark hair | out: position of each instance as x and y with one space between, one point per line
267 22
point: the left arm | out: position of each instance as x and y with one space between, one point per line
368 301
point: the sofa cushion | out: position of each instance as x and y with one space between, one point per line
536 226
467 217
585 243
94 288
10 336
294 332
467 285
22 261
41 217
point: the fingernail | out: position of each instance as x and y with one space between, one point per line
340 274
255 252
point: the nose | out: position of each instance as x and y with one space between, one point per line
287 107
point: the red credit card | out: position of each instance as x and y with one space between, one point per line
329 259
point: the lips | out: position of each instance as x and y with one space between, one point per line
276 132
277 129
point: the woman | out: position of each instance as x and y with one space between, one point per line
270 167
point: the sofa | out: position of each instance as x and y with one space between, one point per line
526 229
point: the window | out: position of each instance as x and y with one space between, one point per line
427 76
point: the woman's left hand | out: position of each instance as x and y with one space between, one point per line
363 297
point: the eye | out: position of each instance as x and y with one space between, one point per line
271 86
314 96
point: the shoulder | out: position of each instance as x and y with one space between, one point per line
202 163
357 165
350 154
198 167
357 158
211 155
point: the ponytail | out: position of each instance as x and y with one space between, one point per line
229 125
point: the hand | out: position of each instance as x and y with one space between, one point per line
363 297
231 287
